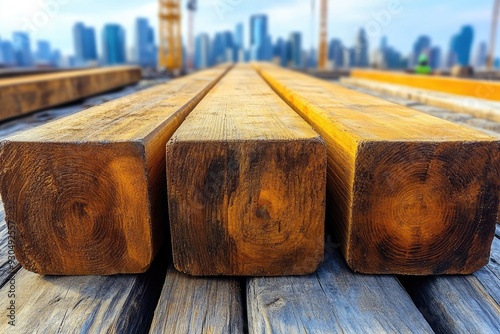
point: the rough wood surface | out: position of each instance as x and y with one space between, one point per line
86 193
409 193
334 300
83 304
198 305
26 94
461 304
474 106
481 89
246 184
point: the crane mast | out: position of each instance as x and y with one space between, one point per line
323 36
170 48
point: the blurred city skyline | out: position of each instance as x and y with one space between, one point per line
402 22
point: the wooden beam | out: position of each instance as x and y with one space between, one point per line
86 194
246 184
26 94
409 193
198 305
473 106
333 300
481 89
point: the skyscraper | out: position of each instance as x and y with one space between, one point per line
421 46
145 49
296 50
85 44
43 53
336 53
8 54
460 48
202 51
259 39
435 57
22 49
113 42
361 49
239 43
464 45
481 55
280 52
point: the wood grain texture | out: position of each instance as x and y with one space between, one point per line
246 184
481 89
86 193
198 305
26 94
121 304
409 193
477 107
334 300
461 304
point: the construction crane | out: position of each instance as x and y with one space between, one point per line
323 36
192 8
494 27
170 48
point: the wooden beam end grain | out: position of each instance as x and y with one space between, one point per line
82 208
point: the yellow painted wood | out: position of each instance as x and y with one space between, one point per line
86 193
409 193
481 89
473 106
246 184
25 94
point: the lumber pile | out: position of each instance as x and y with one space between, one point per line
246 184
409 193
25 94
246 160
86 194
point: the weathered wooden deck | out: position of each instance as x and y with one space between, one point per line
333 300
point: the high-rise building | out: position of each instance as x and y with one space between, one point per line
336 53
202 51
22 49
296 50
259 38
43 53
481 55
239 43
361 49
435 57
8 54
421 46
460 48
280 52
145 49
56 58
464 45
222 48
113 44
85 44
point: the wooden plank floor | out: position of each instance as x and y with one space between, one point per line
333 300
199 305
113 304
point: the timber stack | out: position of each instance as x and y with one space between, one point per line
248 159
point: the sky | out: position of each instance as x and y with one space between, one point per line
402 21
